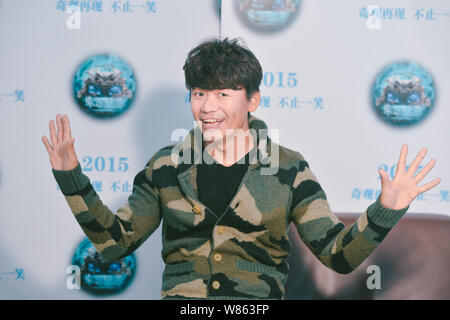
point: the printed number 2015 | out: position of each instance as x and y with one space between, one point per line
100 164
391 171
280 79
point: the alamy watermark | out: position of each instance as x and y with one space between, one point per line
74 280
74 19
373 20
374 280
235 140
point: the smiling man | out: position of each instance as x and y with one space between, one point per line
224 83
222 116
225 219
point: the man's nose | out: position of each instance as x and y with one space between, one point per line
211 103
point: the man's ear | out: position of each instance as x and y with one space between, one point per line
255 99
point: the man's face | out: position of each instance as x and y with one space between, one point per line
217 110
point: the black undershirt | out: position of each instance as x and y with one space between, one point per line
218 184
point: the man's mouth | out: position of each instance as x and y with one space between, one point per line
212 123
211 120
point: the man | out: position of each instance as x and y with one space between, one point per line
225 219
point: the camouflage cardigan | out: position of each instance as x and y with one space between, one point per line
237 254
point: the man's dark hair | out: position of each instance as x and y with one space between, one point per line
222 64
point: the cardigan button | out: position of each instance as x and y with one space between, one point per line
196 209
221 229
216 285
217 257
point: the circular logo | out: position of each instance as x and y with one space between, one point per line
403 93
267 15
99 276
104 86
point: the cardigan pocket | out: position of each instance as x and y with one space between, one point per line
178 273
179 268
273 281
256 267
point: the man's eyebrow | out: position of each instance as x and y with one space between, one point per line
234 89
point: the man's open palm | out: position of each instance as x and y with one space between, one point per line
403 189
61 149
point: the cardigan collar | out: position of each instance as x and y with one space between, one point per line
189 152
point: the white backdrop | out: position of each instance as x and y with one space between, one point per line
39 56
328 46
333 58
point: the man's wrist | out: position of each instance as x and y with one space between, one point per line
70 181
384 216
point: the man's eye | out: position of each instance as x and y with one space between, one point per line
223 94
198 94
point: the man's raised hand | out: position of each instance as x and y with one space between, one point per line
403 189
61 149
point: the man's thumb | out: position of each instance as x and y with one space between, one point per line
384 176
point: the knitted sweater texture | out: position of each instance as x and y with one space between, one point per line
242 252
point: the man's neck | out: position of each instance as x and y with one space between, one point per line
230 149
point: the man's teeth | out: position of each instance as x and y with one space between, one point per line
211 120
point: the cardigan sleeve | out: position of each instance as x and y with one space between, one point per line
113 235
340 248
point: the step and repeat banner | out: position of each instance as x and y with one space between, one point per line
346 83
72 57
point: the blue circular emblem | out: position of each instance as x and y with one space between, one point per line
267 15
104 86
99 276
403 93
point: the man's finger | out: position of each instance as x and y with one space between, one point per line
401 164
419 177
416 162
384 177
66 128
429 185
52 130
47 145
59 132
